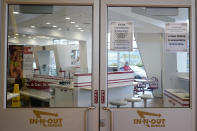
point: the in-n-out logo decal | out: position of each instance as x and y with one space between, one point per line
153 119
46 119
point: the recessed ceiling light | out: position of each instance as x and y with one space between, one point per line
23 35
59 28
79 28
32 26
16 12
67 18
29 37
54 26
48 23
72 22
15 37
16 34
76 25
34 38
8 36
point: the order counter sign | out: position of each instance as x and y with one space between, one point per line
46 119
176 37
121 36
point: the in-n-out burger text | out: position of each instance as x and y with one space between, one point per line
149 122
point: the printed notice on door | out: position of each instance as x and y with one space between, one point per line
121 36
176 37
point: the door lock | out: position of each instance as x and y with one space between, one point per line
102 122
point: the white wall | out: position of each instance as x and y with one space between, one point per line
150 45
171 77
83 55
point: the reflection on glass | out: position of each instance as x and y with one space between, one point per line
155 73
49 56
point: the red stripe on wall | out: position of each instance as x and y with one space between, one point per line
109 73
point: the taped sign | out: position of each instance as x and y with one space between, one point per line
176 37
121 36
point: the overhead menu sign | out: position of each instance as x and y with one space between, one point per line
176 37
121 36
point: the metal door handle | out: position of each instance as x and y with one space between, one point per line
111 117
85 116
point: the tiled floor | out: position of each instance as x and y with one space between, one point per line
156 102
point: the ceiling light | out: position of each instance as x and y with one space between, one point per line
67 18
34 38
54 26
48 23
32 26
76 25
15 37
79 28
72 22
8 36
16 12
59 28
16 34
29 37
23 35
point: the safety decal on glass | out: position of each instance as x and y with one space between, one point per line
95 96
121 36
102 96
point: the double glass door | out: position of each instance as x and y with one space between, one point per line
90 65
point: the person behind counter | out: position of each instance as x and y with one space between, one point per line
127 67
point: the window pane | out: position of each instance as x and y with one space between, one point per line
49 56
152 62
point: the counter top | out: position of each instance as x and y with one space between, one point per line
38 94
179 93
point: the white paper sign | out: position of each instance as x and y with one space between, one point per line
28 61
121 36
176 37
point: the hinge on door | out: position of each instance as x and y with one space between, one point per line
102 122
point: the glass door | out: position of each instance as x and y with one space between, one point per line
146 63
49 67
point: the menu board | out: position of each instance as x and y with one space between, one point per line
121 36
176 37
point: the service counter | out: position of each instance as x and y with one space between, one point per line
76 92
176 98
120 86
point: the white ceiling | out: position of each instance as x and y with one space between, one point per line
82 15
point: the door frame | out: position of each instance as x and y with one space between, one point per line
108 116
90 115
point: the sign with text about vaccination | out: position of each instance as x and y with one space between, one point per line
121 36
176 37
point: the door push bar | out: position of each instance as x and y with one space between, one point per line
111 117
85 116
